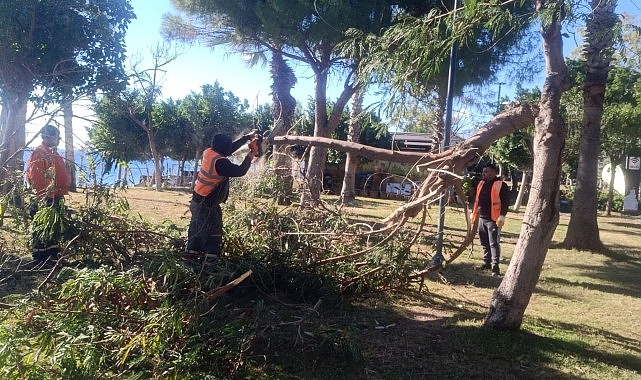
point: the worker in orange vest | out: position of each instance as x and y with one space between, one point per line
490 206
205 234
47 175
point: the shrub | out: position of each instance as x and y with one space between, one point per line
617 202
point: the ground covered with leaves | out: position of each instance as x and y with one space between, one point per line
301 294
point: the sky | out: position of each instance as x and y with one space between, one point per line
199 65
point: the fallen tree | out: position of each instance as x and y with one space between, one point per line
445 169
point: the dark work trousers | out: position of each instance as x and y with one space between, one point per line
43 249
205 234
489 236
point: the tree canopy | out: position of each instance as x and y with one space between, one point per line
59 47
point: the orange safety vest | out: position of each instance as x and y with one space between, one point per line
494 197
208 178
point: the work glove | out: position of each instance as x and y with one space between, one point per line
251 135
500 221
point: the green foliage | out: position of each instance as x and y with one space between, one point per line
63 45
617 202
313 241
514 149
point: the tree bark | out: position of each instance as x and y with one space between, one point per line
613 172
324 126
583 229
67 110
13 136
348 192
511 298
283 108
524 185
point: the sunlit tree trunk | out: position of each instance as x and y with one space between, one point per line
324 126
541 218
13 135
608 205
283 108
348 191
67 109
583 229
521 194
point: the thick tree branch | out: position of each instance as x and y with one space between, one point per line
508 121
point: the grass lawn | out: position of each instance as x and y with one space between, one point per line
583 321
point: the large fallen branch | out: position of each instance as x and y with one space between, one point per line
444 169
508 121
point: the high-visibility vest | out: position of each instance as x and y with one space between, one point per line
494 197
208 178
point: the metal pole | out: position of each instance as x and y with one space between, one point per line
498 98
438 259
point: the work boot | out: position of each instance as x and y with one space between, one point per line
484 266
495 270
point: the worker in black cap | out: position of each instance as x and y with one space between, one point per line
205 234
490 207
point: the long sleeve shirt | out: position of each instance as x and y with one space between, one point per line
226 168
47 173
485 198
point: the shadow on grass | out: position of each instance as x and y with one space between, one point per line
426 342
633 226
621 273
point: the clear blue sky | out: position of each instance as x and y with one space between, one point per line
201 65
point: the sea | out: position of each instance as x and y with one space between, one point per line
91 170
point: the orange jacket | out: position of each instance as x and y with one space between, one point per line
208 178
495 198
47 173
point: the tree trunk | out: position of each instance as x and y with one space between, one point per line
348 192
324 126
13 135
511 298
196 169
283 108
613 172
156 157
583 229
67 109
317 154
521 194
118 177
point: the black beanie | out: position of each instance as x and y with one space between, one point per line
222 144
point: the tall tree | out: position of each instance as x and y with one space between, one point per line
348 191
53 45
238 27
493 40
583 229
511 298
139 102
306 31
621 123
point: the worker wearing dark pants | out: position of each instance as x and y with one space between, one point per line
490 241
491 206
205 234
